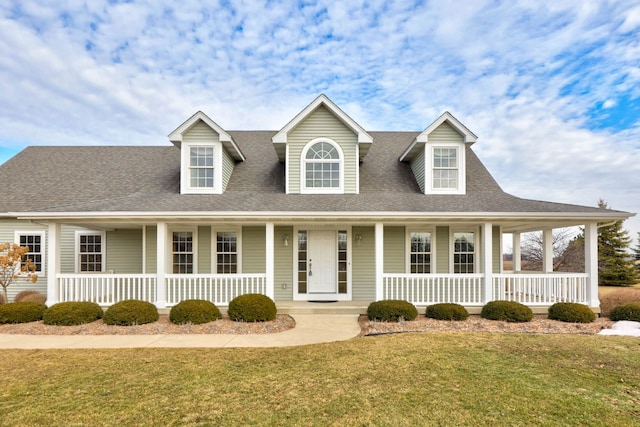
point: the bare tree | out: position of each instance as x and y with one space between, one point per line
533 253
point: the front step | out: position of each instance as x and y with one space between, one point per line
338 307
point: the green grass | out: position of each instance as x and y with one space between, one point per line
434 379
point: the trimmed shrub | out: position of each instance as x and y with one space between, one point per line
72 313
626 312
508 311
252 308
447 311
618 297
21 312
391 310
31 296
130 312
194 311
571 312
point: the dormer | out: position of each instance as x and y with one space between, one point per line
207 155
438 156
322 148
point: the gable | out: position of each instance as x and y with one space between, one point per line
321 123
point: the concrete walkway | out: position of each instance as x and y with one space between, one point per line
309 329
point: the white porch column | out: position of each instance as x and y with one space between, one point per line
591 262
269 260
487 260
53 264
161 265
517 252
379 254
547 251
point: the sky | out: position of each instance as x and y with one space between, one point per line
552 88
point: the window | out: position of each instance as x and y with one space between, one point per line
182 252
420 252
35 243
342 261
302 262
322 167
201 166
445 168
90 252
227 252
463 252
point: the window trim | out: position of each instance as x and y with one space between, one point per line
194 246
103 250
303 169
429 168
432 232
43 247
214 248
185 169
476 253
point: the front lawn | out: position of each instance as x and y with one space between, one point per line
395 380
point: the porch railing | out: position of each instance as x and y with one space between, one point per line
541 289
220 289
106 289
427 289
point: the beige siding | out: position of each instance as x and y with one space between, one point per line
152 244
227 168
363 265
445 133
394 250
7 235
253 249
283 264
124 251
497 253
322 123
204 250
442 250
417 166
201 133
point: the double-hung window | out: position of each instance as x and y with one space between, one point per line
35 242
463 252
445 168
420 252
182 252
201 167
90 250
227 252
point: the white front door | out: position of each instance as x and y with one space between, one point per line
322 273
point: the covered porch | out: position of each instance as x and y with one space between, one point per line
367 274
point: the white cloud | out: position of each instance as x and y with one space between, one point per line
525 76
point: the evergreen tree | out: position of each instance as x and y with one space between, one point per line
615 268
636 250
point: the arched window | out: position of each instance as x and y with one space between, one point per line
322 167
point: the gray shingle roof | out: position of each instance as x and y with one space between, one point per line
147 179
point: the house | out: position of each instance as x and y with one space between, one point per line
320 210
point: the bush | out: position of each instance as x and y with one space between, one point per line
571 312
252 308
131 312
194 311
72 313
508 311
21 312
31 296
391 310
629 311
447 311
618 297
